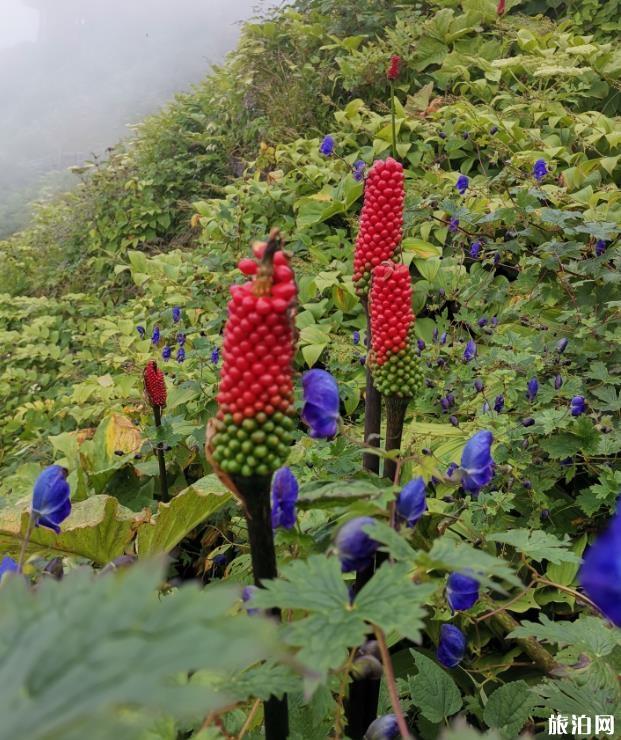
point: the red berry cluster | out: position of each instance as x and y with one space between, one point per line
255 398
394 69
395 368
381 220
154 384
390 309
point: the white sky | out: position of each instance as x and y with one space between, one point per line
17 23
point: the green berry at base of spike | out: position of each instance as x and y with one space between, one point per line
400 375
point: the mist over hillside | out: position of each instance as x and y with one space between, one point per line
75 73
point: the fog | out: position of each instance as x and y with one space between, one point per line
75 73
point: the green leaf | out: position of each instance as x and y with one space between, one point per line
433 690
176 519
312 352
420 248
587 634
509 708
538 545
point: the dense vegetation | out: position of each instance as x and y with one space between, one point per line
522 258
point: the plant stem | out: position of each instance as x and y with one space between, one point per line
256 494
391 684
395 416
372 411
393 120
25 541
536 652
159 451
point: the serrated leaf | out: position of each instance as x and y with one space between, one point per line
537 545
509 708
433 690
588 634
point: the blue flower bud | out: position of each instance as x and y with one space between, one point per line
496 258
181 339
578 405
355 548
176 314
356 337
155 337
475 249
499 403
477 465
51 502
442 135
383 728
493 130
452 647
485 407
420 344
452 467
180 355
359 169
540 169
321 404
494 321
462 591
482 322
435 334
412 501
478 385
465 135
528 421
247 593
462 184
141 331
453 225
600 247
454 421
443 338
327 146
532 388
558 381
562 345
470 352
444 402
166 353
215 356
284 496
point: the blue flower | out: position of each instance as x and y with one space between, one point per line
435 334
412 501
528 421
477 465
327 146
454 421
155 337
215 355
478 385
496 258
532 388
321 403
359 169
475 249
180 355
540 169
7 565
482 322
558 381
166 353
600 247
471 351
247 593
600 574
578 405
462 591
356 337
442 135
453 224
452 467
445 404
51 503
181 339
562 345
141 331
443 338
420 344
462 184
485 407
284 496
176 314
355 548
383 728
452 647
499 403
493 130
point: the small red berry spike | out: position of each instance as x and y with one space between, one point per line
154 384
252 432
395 68
381 221
395 368
500 8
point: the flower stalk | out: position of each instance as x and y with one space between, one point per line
161 461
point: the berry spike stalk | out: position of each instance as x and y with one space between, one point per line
379 237
252 433
395 368
155 391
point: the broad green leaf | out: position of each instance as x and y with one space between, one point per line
537 545
433 690
587 634
509 708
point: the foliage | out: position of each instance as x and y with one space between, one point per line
163 222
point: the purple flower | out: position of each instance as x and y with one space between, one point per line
453 224
166 353
356 337
445 403
562 345
600 574
540 169
355 548
362 359
462 591
321 404
475 249
215 356
499 403
155 337
181 339
443 338
493 130
7 565
454 421
412 501
600 247
180 355
478 385
462 184
465 135
51 503
420 344
532 388
327 146
442 135
383 728
485 407
141 331
452 467
558 381
471 351
528 421
477 465
247 593
284 496
578 405
496 258
452 646
435 334
482 322
494 321
359 169
176 314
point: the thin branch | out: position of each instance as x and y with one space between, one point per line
389 676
